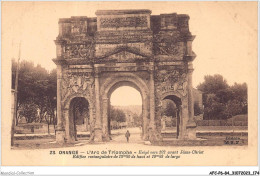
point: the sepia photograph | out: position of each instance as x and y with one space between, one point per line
129 84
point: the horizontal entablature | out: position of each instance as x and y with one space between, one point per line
170 63
142 66
80 66
122 20
123 12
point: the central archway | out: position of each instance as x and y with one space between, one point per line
125 79
125 113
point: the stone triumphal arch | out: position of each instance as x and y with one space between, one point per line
151 53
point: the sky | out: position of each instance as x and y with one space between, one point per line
225 43
125 96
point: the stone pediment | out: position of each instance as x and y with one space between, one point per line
123 54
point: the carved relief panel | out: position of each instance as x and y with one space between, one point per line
172 79
78 83
168 43
84 50
79 27
138 21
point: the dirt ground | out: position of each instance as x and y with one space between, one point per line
118 137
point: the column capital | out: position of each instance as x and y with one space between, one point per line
189 58
105 100
151 66
189 37
59 42
151 72
190 70
190 67
96 74
59 61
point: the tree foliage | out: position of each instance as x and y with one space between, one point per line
29 111
169 108
138 120
117 115
213 84
36 90
222 101
197 109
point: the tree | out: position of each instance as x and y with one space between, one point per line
117 115
29 111
214 110
25 81
213 84
169 108
220 100
240 95
51 100
137 119
197 109
37 87
233 108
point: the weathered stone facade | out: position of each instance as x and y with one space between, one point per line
152 53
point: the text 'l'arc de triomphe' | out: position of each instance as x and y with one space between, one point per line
95 56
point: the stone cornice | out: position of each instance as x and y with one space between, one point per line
59 41
189 37
189 58
123 48
122 12
59 61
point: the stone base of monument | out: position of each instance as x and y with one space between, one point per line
147 143
98 135
191 134
182 142
60 136
106 138
191 130
154 136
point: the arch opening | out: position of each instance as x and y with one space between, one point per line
171 115
78 117
125 112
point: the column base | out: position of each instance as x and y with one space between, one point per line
106 138
191 124
98 135
145 137
153 135
60 136
190 134
191 129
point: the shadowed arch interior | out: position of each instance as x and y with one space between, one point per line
174 98
78 113
178 104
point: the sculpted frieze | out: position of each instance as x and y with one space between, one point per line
79 50
171 80
140 21
168 48
80 83
78 27
168 43
121 53
167 36
123 36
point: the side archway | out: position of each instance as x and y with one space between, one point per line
177 110
76 112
